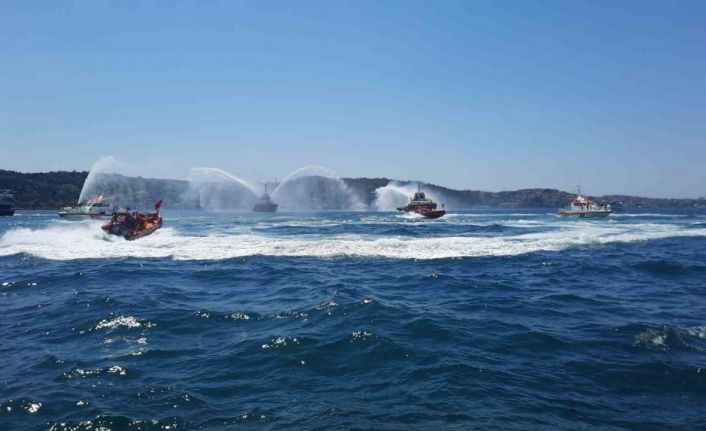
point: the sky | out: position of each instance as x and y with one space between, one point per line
496 95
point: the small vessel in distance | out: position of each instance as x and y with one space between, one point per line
264 204
7 203
94 208
134 225
583 207
421 205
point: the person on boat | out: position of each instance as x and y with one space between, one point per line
129 220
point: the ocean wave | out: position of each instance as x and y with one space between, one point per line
282 342
649 215
76 373
20 406
236 316
325 309
129 322
120 423
666 267
672 337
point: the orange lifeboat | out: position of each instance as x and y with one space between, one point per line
134 225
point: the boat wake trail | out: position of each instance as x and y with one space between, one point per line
85 240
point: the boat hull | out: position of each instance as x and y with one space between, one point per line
431 213
417 207
83 216
120 228
265 208
585 214
7 212
148 231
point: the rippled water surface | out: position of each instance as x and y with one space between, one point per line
488 320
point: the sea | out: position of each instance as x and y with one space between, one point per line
482 320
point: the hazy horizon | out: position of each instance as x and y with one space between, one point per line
479 96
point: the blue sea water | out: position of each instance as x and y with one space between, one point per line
486 320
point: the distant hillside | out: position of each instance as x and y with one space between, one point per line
45 189
52 190
49 190
524 198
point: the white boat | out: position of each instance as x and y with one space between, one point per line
583 207
95 208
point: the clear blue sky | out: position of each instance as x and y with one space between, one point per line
482 95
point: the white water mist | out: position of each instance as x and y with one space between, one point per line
97 182
218 190
313 188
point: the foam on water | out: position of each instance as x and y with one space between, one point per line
64 241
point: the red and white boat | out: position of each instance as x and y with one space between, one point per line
584 207
94 208
423 206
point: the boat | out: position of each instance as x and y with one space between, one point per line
423 206
264 204
134 225
584 207
7 203
94 208
431 213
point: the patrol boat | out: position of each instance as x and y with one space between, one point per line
94 208
265 204
584 207
421 205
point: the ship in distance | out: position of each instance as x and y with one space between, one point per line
583 207
98 207
265 204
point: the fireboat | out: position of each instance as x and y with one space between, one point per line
423 206
583 207
94 208
265 204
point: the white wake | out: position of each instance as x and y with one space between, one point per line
66 241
